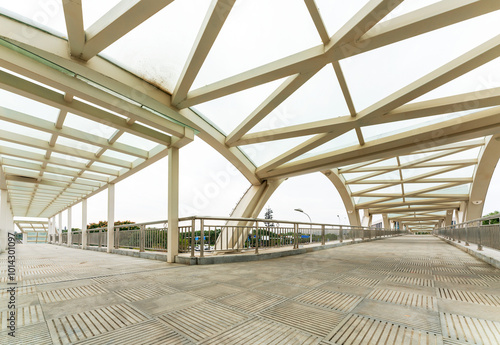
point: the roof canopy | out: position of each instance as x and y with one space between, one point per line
399 96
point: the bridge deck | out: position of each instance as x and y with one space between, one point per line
405 290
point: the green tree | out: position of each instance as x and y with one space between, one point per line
491 221
269 215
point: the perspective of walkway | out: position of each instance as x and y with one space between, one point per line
402 290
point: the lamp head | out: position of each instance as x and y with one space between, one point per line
299 210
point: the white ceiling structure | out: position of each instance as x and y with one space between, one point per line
400 98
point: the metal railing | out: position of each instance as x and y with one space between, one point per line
201 235
482 232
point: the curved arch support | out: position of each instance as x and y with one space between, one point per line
345 193
249 206
488 160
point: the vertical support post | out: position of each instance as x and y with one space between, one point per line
60 228
202 238
256 237
466 235
25 238
111 217
173 204
295 236
70 233
480 244
99 243
142 238
193 233
84 224
341 234
322 235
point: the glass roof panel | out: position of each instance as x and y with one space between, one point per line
307 104
119 155
88 126
20 171
27 106
380 131
388 190
155 50
345 140
21 147
392 175
464 189
95 9
47 15
23 130
336 13
228 112
351 176
413 187
264 152
478 81
469 154
134 140
384 163
69 158
104 165
409 173
361 200
359 187
258 32
77 144
408 6
376 74
462 172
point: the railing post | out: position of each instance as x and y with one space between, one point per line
295 236
341 234
117 237
322 235
466 234
256 237
480 244
142 238
193 232
99 243
202 238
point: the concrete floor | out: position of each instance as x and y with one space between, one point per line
404 290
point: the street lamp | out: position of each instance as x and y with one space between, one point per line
310 221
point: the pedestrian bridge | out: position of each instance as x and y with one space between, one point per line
399 290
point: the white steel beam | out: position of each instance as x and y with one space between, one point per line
471 126
118 21
287 88
212 24
73 14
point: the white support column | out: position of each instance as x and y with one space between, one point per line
84 224
173 204
60 228
367 219
70 234
111 217
25 237
4 208
448 218
386 222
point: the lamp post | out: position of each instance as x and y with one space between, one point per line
310 221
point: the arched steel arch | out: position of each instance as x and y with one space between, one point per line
488 160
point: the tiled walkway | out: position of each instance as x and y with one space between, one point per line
405 290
